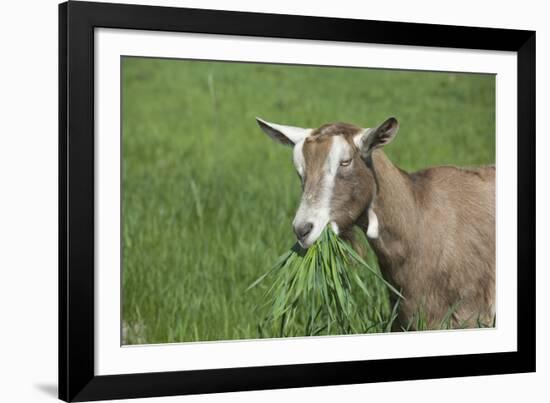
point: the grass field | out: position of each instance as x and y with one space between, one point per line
208 199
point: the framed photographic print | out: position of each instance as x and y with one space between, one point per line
258 201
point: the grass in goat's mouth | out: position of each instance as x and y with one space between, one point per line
312 290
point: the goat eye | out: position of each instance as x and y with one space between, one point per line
345 163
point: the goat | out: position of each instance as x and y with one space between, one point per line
433 231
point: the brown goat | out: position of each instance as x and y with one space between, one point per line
433 231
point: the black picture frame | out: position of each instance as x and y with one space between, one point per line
77 379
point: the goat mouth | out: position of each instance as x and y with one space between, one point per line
308 241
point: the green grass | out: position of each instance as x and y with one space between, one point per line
326 289
208 199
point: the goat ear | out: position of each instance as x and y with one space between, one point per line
287 135
370 139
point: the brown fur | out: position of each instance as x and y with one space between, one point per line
353 191
436 238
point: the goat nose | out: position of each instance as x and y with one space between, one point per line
302 230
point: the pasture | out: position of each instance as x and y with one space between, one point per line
208 199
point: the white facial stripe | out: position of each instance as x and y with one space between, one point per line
338 152
319 212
